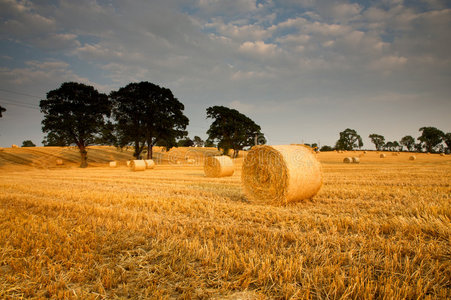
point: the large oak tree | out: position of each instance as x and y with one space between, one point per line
147 114
73 114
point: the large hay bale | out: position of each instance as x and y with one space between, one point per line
412 157
14 146
137 165
150 164
382 155
281 174
113 164
59 162
347 160
218 166
356 160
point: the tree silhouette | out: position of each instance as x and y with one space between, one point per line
408 141
147 114
430 137
378 140
232 130
2 110
73 114
28 143
349 139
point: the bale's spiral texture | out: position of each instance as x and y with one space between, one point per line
150 164
412 157
138 165
59 162
281 174
113 164
218 166
382 155
356 160
347 160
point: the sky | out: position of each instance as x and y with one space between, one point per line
304 70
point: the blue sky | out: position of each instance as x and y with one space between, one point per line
304 70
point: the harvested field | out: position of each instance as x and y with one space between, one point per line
378 229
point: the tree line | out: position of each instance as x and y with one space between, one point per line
141 115
431 140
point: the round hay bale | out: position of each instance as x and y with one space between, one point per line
347 160
364 152
281 174
356 160
14 146
59 162
137 165
382 155
113 164
218 166
442 154
412 157
150 164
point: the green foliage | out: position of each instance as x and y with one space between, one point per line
2 110
349 139
326 148
198 142
147 114
73 114
431 137
28 143
378 140
232 129
186 142
408 141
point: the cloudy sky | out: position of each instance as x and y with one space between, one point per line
304 70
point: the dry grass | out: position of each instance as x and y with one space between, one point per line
378 229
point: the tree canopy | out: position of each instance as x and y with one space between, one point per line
147 114
378 140
73 114
232 129
349 139
28 143
408 141
430 137
2 110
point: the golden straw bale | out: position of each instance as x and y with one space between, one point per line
347 160
113 164
412 157
382 155
150 164
14 146
218 166
356 160
137 165
442 154
281 174
59 162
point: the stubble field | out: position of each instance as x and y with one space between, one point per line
378 229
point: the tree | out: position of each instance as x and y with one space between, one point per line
396 146
430 137
232 129
326 148
408 141
186 142
378 140
418 147
447 140
2 110
147 114
73 114
28 143
389 146
349 139
198 142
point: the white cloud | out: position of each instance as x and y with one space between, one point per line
258 48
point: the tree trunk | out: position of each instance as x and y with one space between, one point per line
84 156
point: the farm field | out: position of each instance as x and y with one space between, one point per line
377 229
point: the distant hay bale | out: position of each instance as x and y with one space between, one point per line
281 174
412 157
442 154
137 165
356 160
218 166
347 160
113 164
364 152
382 155
14 146
59 162
150 164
